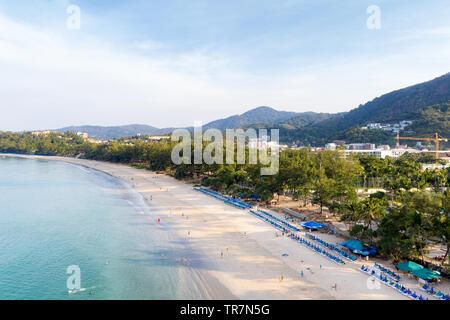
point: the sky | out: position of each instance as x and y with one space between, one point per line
172 63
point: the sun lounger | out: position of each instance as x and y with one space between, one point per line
425 287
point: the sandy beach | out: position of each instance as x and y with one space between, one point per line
237 255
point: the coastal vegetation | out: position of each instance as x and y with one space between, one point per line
409 213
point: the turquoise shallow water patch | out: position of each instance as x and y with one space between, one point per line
54 215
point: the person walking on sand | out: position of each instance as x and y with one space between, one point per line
301 273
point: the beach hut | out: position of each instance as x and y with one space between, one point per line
426 274
409 266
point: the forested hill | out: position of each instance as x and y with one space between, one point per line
116 131
260 115
404 104
266 115
426 103
398 105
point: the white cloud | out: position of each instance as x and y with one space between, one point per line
149 45
50 79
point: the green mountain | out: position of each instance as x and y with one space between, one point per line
257 115
404 104
425 103
260 115
111 132
432 119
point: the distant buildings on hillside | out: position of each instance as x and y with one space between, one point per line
382 151
265 143
394 127
352 146
84 135
158 138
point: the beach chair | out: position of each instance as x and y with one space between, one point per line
439 295
425 287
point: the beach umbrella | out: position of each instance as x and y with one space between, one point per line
409 266
353 245
311 225
426 274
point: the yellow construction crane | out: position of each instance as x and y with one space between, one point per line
436 140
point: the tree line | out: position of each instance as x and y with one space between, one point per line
409 213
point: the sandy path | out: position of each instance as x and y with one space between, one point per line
252 262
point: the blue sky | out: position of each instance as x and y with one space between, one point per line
170 63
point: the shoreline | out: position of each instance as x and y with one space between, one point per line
204 286
252 263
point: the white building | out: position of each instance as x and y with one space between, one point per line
360 146
382 153
330 146
158 137
84 135
394 127
264 143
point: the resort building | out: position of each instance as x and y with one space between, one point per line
394 127
158 138
382 153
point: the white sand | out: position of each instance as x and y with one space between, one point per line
252 262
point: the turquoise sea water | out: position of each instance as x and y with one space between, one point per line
54 215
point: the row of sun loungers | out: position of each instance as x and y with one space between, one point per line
438 295
393 284
387 272
276 225
331 247
228 200
268 218
317 249
279 220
